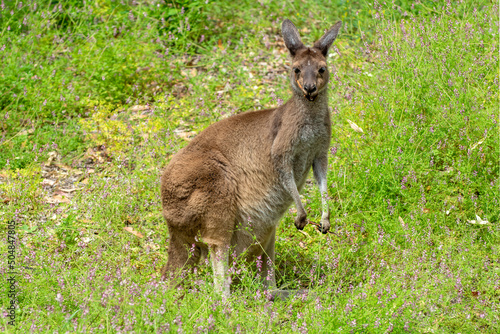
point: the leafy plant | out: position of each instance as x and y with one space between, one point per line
67 232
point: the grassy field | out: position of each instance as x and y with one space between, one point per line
96 96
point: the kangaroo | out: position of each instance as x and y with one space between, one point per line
225 192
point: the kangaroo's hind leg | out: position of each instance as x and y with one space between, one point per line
219 257
217 233
268 273
199 198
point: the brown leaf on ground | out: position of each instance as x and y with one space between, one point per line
129 220
151 246
59 182
96 155
186 135
52 156
56 199
71 170
137 108
354 126
179 89
48 182
305 234
138 116
134 232
69 190
140 112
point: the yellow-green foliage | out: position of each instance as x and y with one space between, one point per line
101 128
22 186
119 129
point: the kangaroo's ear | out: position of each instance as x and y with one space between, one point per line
326 41
291 37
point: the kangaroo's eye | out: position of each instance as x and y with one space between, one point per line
296 70
322 70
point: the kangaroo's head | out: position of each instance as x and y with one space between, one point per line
309 74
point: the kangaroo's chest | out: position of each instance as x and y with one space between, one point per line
311 141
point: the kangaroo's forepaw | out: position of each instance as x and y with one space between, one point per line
301 221
325 226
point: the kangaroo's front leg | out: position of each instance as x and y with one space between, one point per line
288 180
320 167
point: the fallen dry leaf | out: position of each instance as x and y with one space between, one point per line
69 190
87 239
478 221
354 126
138 108
129 220
478 143
57 199
52 157
97 155
134 232
151 246
48 182
69 169
138 116
305 233
186 135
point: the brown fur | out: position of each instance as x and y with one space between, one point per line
228 188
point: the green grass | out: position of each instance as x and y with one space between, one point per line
95 98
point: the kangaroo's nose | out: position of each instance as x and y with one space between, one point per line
310 88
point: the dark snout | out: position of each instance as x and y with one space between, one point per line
310 89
